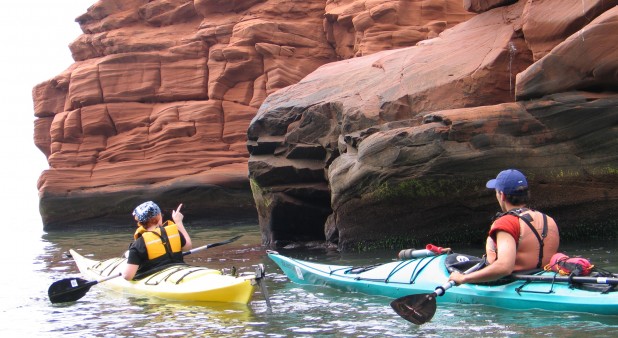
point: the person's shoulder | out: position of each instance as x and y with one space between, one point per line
541 214
505 222
507 218
138 243
550 220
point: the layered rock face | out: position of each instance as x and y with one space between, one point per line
158 103
160 97
394 148
383 121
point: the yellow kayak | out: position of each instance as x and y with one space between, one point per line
177 282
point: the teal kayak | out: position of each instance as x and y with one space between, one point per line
541 290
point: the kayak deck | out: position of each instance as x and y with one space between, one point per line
417 276
177 282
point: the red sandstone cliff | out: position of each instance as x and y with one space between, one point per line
394 148
160 97
366 121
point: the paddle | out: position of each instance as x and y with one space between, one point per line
420 308
259 276
212 245
72 289
568 279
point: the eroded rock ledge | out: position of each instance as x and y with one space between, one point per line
394 148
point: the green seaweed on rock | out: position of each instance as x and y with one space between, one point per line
425 188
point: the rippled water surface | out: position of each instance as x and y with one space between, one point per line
308 311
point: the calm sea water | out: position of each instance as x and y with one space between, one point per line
33 260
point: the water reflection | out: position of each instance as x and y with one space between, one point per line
128 316
307 311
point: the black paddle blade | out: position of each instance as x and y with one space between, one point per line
417 309
231 240
224 242
68 290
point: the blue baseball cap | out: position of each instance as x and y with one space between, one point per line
146 211
510 182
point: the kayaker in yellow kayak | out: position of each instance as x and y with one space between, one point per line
519 238
155 244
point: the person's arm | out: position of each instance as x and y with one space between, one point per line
502 266
129 271
177 216
490 250
134 259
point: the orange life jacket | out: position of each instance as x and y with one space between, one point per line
163 240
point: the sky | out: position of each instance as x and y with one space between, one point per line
34 47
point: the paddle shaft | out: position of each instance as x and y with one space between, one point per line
567 279
259 275
108 278
95 282
208 246
440 290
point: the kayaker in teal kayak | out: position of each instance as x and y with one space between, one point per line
519 238
155 244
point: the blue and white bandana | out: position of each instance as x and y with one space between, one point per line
146 211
